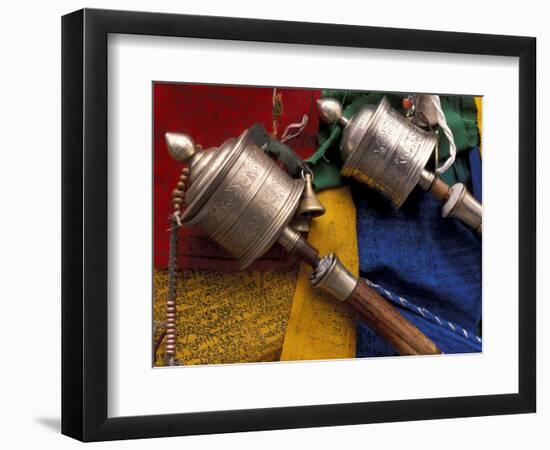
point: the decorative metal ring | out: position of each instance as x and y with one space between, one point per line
306 171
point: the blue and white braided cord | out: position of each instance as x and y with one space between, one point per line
427 314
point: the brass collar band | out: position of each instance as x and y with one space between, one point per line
332 276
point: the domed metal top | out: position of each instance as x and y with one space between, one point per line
355 128
330 110
180 146
207 167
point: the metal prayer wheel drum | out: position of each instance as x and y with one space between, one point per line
238 195
381 148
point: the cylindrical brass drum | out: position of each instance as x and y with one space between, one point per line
237 195
381 148
389 153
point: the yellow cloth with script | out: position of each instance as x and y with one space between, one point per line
319 326
227 317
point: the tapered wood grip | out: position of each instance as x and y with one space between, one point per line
440 189
384 319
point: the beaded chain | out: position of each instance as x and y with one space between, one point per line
178 195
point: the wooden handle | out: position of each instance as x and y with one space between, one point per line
375 310
383 318
440 189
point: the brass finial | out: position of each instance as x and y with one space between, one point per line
330 111
180 146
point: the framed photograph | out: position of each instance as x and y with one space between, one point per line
273 224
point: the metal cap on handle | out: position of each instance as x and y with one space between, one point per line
463 206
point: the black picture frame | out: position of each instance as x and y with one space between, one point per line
84 224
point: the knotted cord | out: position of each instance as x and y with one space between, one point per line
436 101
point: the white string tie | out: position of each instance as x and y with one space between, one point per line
178 218
176 215
299 125
448 133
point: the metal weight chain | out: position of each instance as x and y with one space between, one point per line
178 195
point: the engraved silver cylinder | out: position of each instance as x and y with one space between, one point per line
239 196
381 148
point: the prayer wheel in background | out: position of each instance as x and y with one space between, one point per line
383 149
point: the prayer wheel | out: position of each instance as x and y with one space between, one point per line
237 195
383 149
244 201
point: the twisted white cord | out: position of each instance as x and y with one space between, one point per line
448 133
300 125
177 215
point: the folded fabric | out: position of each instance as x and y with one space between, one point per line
414 253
